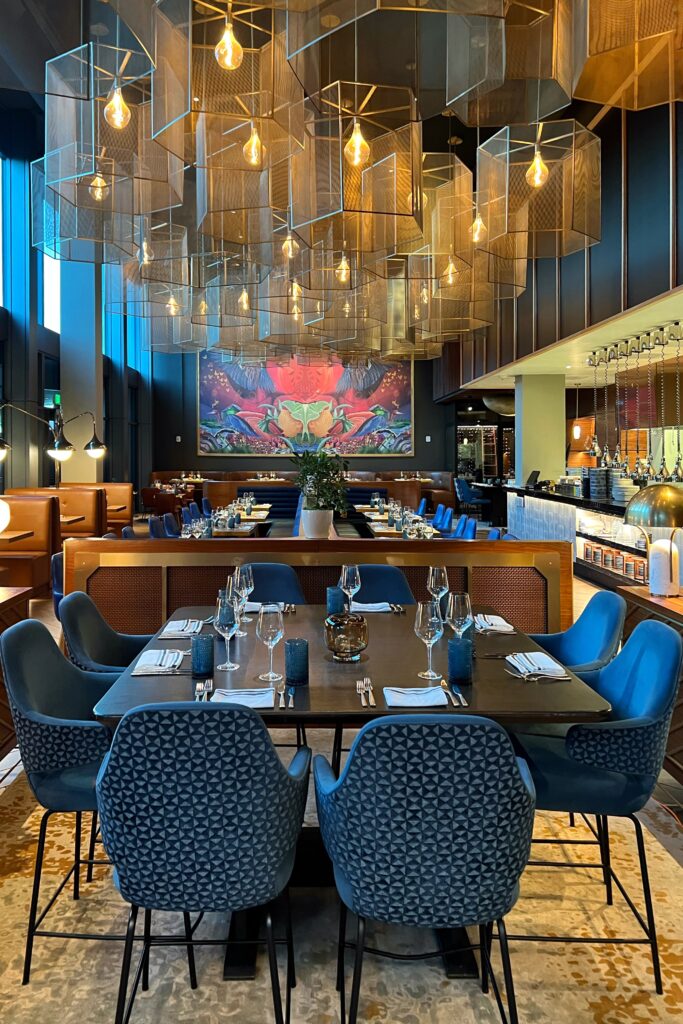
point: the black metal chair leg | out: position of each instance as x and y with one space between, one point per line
125 965
190 951
272 961
291 969
485 936
33 911
77 855
357 970
603 831
572 819
146 950
651 926
340 962
301 736
337 749
507 972
91 847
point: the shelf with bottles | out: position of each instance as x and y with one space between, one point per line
609 556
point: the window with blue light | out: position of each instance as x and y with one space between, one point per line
2 275
52 313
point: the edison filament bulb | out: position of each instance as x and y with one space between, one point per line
116 110
296 289
450 273
228 52
537 171
343 271
253 149
356 150
146 253
98 188
424 294
172 306
290 247
243 301
478 229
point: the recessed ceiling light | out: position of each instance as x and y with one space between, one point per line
568 366
469 408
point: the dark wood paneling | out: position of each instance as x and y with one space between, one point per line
648 215
572 294
507 331
480 353
546 302
679 192
525 318
605 258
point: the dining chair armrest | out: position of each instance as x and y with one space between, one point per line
325 779
300 765
589 676
102 770
526 777
633 746
49 744
98 683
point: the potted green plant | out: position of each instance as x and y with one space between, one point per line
321 481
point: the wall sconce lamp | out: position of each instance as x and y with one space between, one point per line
59 447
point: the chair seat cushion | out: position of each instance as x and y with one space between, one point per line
563 784
71 789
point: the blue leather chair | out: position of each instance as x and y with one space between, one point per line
460 526
186 516
611 768
91 642
180 845
128 533
431 837
276 582
194 510
494 534
437 518
60 743
206 508
447 521
297 516
422 507
383 583
467 495
510 536
170 525
57 574
594 639
470 531
156 528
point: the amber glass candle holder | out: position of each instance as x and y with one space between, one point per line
346 636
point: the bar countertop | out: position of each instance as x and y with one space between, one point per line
606 506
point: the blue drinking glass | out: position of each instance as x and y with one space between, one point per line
202 655
335 601
296 662
459 660
231 522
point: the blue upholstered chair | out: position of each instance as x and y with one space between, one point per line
206 508
611 768
447 521
468 495
430 836
470 531
180 845
276 582
170 525
91 642
186 516
57 574
383 583
437 518
297 516
61 745
460 525
510 536
594 638
128 533
194 510
422 507
494 534
156 528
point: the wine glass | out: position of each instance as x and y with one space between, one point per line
186 531
429 628
437 581
350 581
239 589
225 624
244 572
270 629
197 528
459 613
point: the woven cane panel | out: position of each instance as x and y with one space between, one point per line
519 594
195 584
128 598
417 580
315 579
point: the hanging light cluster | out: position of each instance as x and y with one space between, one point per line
265 195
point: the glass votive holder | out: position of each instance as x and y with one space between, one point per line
390 519
202 655
460 660
296 662
238 518
231 522
335 601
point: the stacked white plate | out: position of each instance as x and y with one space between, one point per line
623 490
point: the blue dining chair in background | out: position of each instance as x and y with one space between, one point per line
510 536
611 768
186 516
431 837
460 525
276 582
594 638
437 518
470 531
128 533
468 495
194 510
91 643
383 583
156 528
206 508
494 534
170 525
61 748
447 521
297 516
57 576
422 507
180 845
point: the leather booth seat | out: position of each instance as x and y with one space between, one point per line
26 563
89 502
117 494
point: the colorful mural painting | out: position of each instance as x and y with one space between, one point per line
301 406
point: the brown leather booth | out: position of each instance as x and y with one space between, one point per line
89 502
26 563
222 492
117 494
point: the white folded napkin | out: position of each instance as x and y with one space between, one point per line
180 628
531 662
379 606
255 606
414 696
261 698
158 663
492 624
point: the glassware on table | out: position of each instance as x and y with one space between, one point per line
349 581
429 628
197 526
240 590
346 636
247 575
459 660
270 630
225 624
459 613
186 531
374 499
201 655
437 581
296 661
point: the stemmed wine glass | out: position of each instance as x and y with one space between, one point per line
270 629
197 527
239 587
225 623
244 573
437 581
429 628
350 581
459 613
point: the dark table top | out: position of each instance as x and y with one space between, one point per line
393 657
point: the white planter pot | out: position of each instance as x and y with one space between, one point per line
316 523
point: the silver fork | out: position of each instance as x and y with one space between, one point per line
281 692
449 693
367 682
360 690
